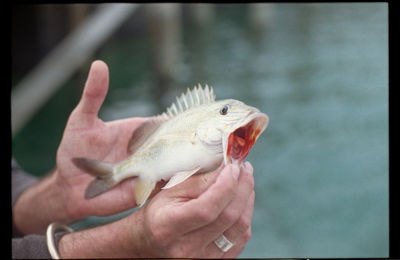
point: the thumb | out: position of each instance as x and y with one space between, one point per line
94 93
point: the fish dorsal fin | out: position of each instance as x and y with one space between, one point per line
143 132
193 98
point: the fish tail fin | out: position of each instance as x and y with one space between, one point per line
103 172
142 190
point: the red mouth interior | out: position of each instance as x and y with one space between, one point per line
241 141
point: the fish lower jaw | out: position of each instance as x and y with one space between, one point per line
242 139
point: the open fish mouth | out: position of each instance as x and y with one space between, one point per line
243 136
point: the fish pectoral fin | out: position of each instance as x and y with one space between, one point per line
142 190
180 177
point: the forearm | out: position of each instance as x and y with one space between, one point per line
38 206
119 239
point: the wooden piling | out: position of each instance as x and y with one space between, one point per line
164 31
38 86
260 15
201 14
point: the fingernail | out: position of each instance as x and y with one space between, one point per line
235 171
249 168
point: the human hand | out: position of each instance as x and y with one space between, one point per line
60 196
185 221
180 222
88 136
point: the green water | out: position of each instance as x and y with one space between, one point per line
320 71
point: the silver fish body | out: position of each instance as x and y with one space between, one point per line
195 135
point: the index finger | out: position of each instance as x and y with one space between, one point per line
205 208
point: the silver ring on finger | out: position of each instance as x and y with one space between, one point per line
223 243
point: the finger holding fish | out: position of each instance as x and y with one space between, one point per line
86 135
237 233
180 227
234 210
235 219
188 213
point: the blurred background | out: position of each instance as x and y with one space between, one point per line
320 71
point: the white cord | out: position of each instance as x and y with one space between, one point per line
51 229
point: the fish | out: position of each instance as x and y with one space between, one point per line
195 135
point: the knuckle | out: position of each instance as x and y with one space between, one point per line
203 215
207 214
244 224
229 216
75 112
253 196
229 187
232 189
247 235
250 181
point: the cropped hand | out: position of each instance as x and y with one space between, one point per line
60 195
182 222
185 221
88 136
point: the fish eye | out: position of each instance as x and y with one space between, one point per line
224 110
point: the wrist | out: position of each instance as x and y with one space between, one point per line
107 241
39 205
